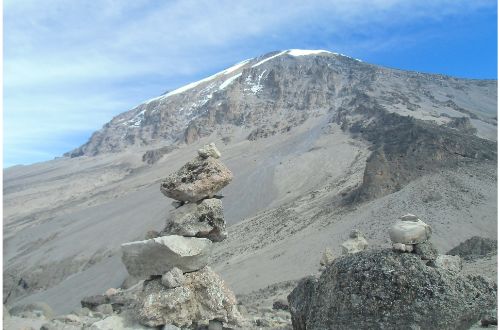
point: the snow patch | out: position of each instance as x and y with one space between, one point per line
229 81
136 120
269 58
304 52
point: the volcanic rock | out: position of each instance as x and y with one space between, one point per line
204 296
410 230
159 255
196 180
381 289
203 219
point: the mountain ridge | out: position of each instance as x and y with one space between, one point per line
182 115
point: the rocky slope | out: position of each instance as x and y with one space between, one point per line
319 143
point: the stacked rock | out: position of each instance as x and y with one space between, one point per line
179 288
410 234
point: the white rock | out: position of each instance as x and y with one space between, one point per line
121 321
209 150
402 247
159 255
409 230
356 243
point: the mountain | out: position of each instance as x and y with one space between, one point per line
319 143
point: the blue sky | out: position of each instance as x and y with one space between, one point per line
70 66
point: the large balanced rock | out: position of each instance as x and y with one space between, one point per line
382 289
202 219
203 296
198 179
410 230
159 255
355 243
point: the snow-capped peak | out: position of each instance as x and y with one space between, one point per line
303 52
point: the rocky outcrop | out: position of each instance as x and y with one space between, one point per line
384 289
475 247
152 156
198 179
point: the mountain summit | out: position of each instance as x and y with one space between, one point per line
280 90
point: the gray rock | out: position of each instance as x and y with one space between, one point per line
381 289
170 327
92 302
203 297
475 247
105 309
209 150
84 311
123 321
281 304
215 325
203 219
446 262
426 250
152 234
402 247
173 278
489 318
33 310
196 180
300 301
356 243
409 230
159 255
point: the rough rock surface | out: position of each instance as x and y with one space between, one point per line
204 296
173 278
299 301
446 262
196 180
410 230
381 289
475 247
202 219
355 243
426 250
159 255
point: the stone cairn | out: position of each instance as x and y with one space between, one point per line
411 235
179 288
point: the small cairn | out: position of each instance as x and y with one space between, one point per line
410 234
179 288
356 243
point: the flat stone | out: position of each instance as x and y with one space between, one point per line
409 230
402 247
209 150
203 219
196 180
159 255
